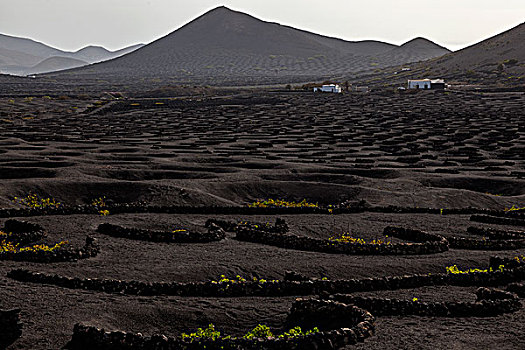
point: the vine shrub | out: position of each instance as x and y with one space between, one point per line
100 205
347 238
261 331
281 203
8 247
208 333
455 270
35 201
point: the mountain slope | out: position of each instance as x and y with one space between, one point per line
223 42
507 45
495 59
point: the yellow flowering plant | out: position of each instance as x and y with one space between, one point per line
347 238
455 270
8 247
281 203
34 201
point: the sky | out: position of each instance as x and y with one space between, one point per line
114 24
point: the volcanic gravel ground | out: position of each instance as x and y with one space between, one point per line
49 312
427 149
442 150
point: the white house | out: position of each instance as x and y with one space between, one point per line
426 84
329 88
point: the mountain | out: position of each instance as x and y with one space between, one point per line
20 55
53 64
500 58
29 46
421 44
14 60
93 54
416 50
226 43
422 47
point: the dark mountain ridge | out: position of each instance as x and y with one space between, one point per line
499 59
223 42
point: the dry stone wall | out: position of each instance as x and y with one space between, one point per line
427 243
498 220
214 233
276 287
341 325
10 327
122 208
395 307
22 232
90 249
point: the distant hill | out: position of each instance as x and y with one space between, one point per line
29 46
94 54
421 44
500 58
20 55
420 47
226 43
16 61
53 64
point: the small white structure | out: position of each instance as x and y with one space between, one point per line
423 84
329 88
426 84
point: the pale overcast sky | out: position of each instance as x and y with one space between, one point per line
73 24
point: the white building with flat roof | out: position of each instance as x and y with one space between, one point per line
423 84
426 84
329 88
